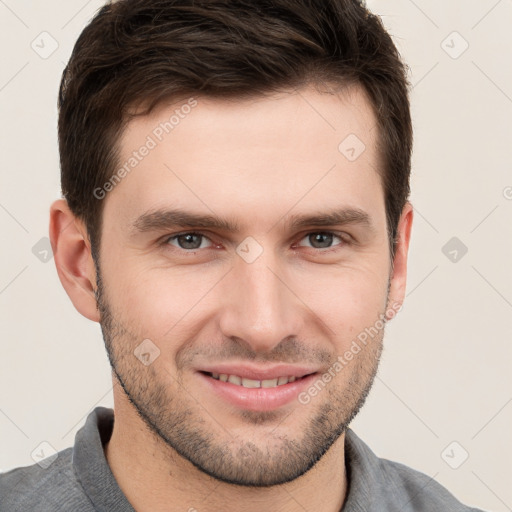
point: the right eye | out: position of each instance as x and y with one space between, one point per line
189 241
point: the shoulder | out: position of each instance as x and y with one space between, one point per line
54 488
419 491
389 485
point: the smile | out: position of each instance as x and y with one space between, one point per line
256 387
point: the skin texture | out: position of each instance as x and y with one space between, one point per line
176 443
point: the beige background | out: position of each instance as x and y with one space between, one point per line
445 372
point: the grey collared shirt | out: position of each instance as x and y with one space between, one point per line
80 480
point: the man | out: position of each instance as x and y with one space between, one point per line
236 217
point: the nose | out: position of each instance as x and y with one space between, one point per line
259 307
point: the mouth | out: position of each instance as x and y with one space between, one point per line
256 389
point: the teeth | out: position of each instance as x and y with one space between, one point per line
272 383
235 379
251 383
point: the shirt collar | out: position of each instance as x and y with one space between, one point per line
91 466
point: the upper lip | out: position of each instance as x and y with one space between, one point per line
259 372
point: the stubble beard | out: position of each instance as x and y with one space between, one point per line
185 427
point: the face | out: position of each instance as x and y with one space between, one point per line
242 256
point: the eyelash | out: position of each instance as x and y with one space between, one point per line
344 237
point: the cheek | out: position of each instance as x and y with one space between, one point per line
346 299
166 302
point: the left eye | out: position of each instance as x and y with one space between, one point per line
321 240
190 241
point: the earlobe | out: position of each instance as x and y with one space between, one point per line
73 259
399 272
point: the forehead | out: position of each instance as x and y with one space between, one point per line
251 159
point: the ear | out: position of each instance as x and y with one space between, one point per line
73 259
399 270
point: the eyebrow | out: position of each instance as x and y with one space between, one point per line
163 219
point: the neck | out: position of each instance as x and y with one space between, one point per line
154 477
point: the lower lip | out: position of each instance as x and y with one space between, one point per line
257 399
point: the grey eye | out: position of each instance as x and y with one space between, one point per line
190 241
321 239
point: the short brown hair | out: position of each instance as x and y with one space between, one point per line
144 52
